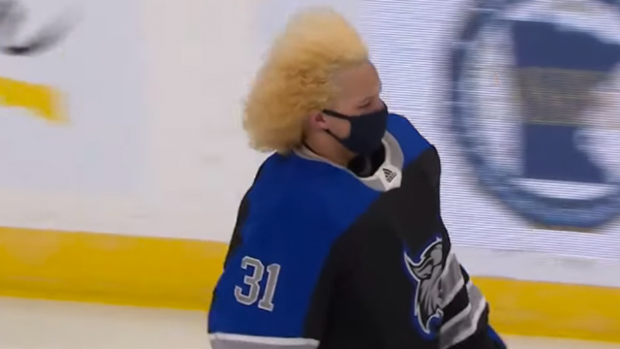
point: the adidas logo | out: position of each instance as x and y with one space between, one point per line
389 175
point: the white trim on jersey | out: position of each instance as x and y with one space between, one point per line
379 176
452 262
271 341
465 317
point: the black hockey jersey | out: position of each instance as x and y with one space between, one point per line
321 258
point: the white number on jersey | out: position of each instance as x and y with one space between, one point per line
254 280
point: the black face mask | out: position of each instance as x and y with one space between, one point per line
367 130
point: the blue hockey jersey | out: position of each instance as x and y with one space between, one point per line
321 258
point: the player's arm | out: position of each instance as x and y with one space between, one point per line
465 312
263 301
273 294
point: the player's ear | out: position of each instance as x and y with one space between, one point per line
316 121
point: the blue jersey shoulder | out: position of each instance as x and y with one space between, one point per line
297 210
409 138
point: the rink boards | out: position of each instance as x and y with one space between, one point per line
176 273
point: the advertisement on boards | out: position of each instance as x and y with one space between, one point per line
522 100
72 113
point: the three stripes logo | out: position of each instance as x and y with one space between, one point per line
389 175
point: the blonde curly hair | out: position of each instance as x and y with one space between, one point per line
296 78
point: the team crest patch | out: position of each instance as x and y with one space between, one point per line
425 272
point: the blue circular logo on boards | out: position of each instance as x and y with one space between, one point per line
535 101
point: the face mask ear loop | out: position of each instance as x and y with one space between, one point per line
335 114
329 132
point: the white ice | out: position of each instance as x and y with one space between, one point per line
35 324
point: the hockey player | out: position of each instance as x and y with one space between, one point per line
339 243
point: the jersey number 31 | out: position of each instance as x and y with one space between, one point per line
254 280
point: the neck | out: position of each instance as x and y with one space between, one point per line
329 148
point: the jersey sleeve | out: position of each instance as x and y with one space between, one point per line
465 323
275 287
465 310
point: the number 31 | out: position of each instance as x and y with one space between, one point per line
254 280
